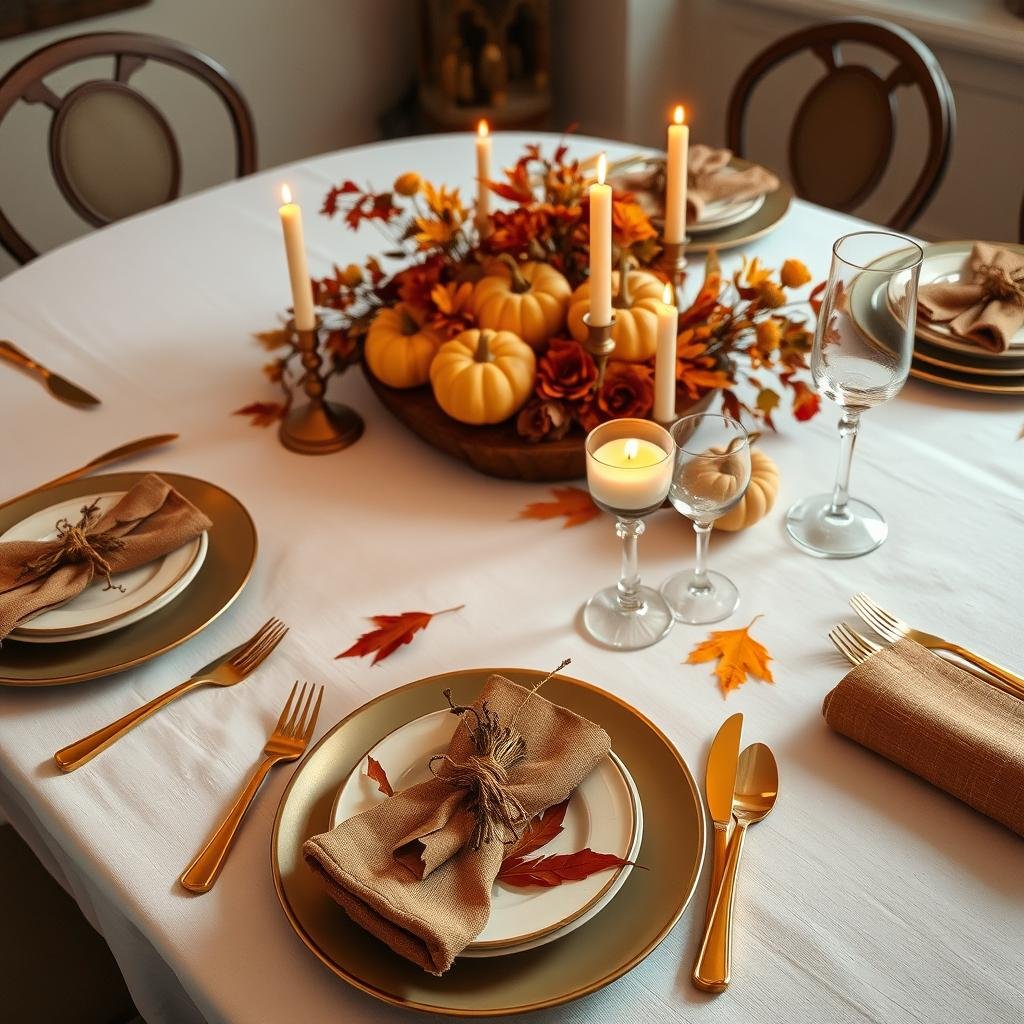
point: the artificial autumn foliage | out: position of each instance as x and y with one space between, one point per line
539 831
572 502
738 654
376 773
262 414
391 633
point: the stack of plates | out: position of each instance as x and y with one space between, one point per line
940 356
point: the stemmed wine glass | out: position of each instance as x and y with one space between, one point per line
712 471
857 371
629 469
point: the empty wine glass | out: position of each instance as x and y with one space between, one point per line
711 474
857 369
629 469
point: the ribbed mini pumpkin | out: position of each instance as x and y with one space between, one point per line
399 349
528 299
483 376
759 499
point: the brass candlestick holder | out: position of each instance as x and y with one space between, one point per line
600 344
318 426
673 266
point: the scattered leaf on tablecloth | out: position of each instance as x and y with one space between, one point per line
272 340
572 502
739 655
539 832
557 868
392 631
262 414
375 772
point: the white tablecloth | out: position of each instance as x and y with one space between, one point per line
866 896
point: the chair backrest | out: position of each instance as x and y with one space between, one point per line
842 137
112 151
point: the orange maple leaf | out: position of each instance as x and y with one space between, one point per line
262 414
375 772
572 502
392 631
739 654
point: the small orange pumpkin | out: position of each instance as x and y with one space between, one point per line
528 299
399 348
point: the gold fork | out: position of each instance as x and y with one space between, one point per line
227 670
286 743
890 628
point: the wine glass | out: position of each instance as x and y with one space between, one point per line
858 371
629 469
712 471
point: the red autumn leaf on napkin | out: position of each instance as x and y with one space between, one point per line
263 413
572 502
392 631
738 654
557 868
539 832
375 771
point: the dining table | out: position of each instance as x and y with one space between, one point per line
867 895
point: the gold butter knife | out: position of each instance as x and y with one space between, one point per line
114 455
719 783
58 386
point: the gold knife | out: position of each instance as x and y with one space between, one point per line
719 784
114 455
58 386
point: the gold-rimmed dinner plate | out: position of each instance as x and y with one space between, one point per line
615 941
230 555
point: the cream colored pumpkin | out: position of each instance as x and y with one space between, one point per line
760 496
399 349
483 376
528 299
636 315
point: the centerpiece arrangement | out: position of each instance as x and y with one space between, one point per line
472 325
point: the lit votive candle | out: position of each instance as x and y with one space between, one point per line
630 474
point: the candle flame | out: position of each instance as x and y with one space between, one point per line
668 295
286 194
678 115
602 168
632 448
483 129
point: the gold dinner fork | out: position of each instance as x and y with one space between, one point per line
287 742
890 628
227 670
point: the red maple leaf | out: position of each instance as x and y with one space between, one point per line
557 868
391 633
375 771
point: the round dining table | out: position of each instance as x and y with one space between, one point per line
867 895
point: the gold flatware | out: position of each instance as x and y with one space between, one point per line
114 455
228 670
857 648
719 784
890 628
757 788
287 742
58 386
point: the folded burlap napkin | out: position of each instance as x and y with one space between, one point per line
986 308
709 182
939 722
151 520
416 870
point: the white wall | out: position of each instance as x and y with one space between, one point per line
316 74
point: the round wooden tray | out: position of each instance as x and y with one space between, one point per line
498 450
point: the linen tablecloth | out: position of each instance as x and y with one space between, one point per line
866 896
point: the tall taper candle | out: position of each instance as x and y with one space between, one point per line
298 270
601 248
665 360
675 178
483 173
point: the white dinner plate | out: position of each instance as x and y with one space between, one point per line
724 213
603 814
98 610
945 263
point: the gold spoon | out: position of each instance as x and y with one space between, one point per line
757 787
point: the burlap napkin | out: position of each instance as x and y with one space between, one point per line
939 722
709 182
151 520
988 308
406 869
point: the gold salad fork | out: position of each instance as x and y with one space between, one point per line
287 742
891 628
227 670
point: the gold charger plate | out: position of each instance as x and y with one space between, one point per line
226 570
626 931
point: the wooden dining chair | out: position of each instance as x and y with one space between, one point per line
112 151
843 134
